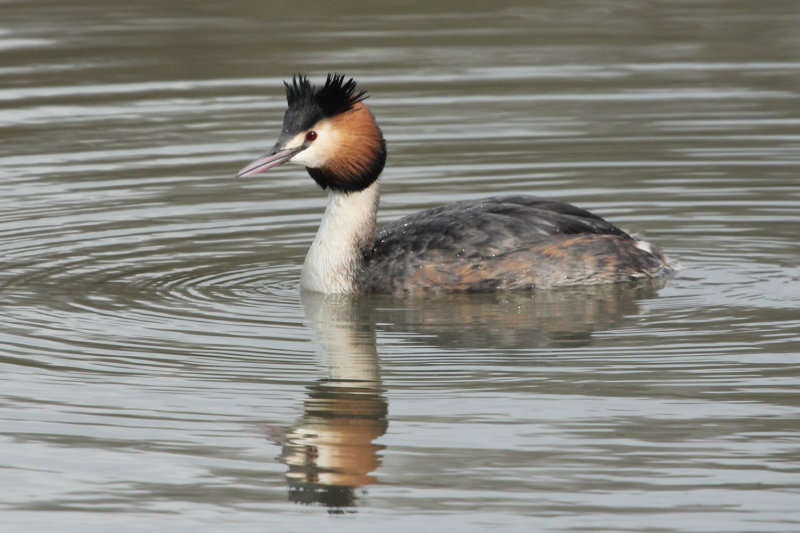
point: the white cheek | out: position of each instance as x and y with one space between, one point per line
310 157
320 150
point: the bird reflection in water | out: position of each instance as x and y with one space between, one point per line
331 451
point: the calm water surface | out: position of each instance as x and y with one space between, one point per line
162 369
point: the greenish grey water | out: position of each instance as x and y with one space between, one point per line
161 368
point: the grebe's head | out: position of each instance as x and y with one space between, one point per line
329 131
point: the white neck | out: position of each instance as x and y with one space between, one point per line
347 229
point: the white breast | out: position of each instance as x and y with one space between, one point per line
336 254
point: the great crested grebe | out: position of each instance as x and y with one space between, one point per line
497 243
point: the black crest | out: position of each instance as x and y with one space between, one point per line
333 98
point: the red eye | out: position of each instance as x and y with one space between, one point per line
311 135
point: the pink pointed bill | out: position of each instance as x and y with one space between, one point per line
271 159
